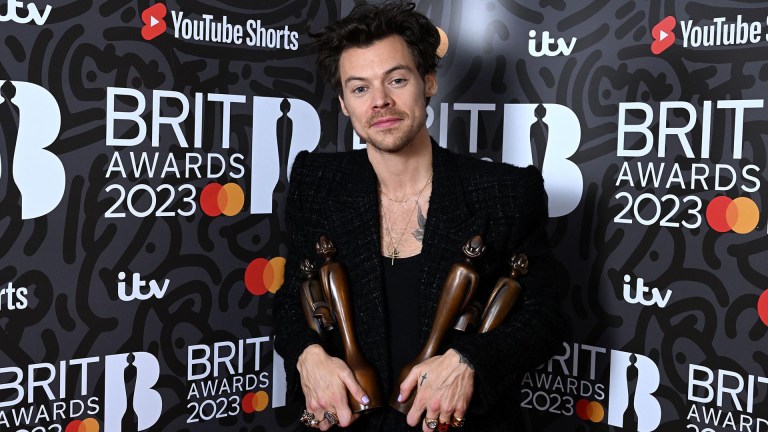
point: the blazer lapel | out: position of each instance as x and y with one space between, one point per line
449 225
358 240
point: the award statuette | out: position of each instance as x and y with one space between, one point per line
470 317
313 301
458 288
333 280
504 295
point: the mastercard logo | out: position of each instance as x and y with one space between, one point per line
87 425
590 410
739 215
255 402
216 199
762 307
263 275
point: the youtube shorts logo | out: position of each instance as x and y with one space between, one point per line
663 37
154 21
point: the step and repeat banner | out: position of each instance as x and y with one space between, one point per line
144 162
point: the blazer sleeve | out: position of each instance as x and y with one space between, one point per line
292 334
536 327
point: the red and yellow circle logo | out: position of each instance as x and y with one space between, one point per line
590 410
739 215
216 199
762 307
263 276
88 425
255 402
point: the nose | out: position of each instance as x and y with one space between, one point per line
381 97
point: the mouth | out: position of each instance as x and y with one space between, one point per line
386 122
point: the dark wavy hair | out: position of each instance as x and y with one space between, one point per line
369 23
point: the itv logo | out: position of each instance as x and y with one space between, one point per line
33 13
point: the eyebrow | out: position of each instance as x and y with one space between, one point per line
387 72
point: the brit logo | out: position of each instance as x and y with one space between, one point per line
33 177
634 380
130 402
554 132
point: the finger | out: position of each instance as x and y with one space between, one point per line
457 419
430 422
324 424
316 410
408 384
443 423
342 410
331 419
310 419
319 422
354 388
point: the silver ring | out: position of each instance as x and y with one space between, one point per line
308 419
331 417
430 422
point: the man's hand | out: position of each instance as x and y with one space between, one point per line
443 386
325 380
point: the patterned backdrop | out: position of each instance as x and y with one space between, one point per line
145 154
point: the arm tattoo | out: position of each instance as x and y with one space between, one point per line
463 359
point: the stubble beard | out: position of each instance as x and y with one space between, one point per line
392 140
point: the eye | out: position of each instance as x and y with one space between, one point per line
399 81
358 90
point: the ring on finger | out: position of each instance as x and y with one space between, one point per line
308 418
331 417
457 422
443 426
430 422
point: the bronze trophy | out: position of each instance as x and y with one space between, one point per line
327 303
313 301
504 295
458 288
478 319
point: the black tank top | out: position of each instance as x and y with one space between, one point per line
401 296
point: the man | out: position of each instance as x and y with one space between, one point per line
399 213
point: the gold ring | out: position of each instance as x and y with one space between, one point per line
430 422
457 422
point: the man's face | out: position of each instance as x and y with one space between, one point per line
384 95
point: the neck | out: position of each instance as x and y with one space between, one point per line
404 172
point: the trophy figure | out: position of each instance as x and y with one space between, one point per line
458 288
470 318
335 287
504 295
313 301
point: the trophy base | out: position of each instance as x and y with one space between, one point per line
358 408
403 407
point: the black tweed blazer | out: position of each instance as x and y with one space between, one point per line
335 194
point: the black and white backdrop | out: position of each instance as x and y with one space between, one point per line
145 151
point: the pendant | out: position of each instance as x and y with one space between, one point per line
394 254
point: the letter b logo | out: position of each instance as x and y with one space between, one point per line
546 135
128 383
631 404
38 173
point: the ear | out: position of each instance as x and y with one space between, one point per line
430 85
343 106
